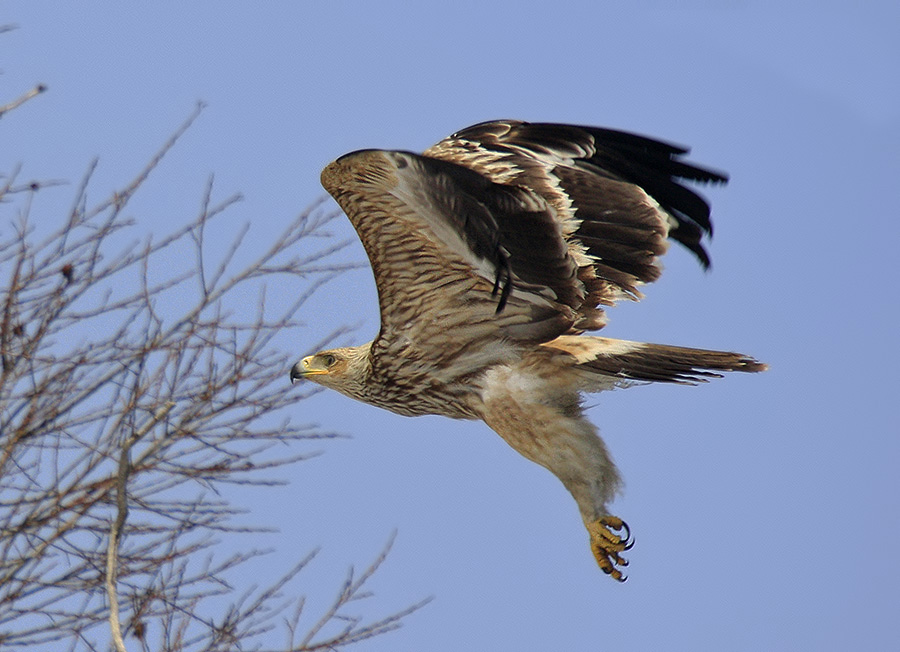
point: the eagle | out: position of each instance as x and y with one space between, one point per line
494 252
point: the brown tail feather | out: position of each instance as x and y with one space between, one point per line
651 362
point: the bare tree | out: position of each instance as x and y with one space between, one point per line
120 416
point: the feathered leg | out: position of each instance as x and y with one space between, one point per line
539 414
535 407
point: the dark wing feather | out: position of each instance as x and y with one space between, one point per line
602 174
509 226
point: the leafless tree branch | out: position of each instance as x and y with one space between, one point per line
19 101
131 392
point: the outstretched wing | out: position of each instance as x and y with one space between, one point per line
618 196
509 230
457 258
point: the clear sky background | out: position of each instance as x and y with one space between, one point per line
766 508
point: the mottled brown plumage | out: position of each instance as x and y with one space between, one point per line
492 253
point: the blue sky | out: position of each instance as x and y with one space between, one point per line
766 508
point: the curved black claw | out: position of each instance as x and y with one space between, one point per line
606 545
629 540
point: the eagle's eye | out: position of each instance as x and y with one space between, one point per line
329 360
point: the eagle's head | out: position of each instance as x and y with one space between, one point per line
345 369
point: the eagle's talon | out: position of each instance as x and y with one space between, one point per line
606 544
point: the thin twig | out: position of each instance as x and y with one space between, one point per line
19 101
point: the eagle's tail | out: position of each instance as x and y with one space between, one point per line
638 361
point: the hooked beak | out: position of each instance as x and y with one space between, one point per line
306 367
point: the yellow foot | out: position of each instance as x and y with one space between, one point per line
606 544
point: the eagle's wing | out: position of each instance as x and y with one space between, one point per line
510 230
457 258
618 196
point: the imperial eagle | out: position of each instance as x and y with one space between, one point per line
493 253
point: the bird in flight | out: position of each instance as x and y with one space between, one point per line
494 252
